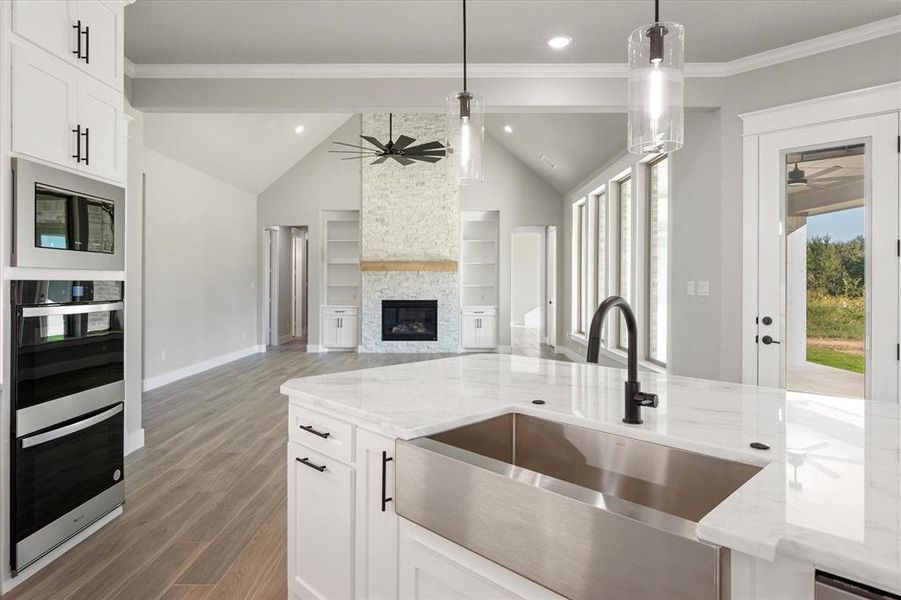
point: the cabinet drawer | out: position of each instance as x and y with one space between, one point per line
332 437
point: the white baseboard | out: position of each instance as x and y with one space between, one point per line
151 383
504 349
314 348
10 582
134 440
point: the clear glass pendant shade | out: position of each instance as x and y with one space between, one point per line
656 87
465 137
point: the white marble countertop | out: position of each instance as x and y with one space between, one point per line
829 493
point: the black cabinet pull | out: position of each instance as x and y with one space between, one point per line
87 145
77 132
307 462
77 51
309 429
385 460
87 44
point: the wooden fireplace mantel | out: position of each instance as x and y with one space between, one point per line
408 265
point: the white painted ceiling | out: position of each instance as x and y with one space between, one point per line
249 151
500 31
578 144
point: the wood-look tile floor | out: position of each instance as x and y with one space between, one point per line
205 499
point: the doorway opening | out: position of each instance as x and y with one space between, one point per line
285 314
533 290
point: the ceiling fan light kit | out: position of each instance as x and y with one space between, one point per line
656 86
465 129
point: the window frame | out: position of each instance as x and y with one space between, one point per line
648 167
617 343
581 251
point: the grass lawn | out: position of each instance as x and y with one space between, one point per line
834 358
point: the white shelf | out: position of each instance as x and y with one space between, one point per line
479 258
341 282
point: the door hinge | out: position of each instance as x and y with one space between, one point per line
897 351
898 247
899 144
756 339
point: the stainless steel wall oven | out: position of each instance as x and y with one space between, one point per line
67 411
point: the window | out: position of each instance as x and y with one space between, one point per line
580 267
602 246
658 232
624 258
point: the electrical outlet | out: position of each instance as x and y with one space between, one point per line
703 288
690 288
163 356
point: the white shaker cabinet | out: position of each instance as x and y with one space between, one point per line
479 326
86 34
376 573
320 525
340 326
101 119
44 106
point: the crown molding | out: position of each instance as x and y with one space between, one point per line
752 62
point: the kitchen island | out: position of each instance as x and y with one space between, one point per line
827 497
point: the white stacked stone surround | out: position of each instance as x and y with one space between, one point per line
409 214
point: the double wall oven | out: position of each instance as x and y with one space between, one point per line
67 411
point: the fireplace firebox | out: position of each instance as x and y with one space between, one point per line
410 320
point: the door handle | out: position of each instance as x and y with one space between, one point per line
73 309
54 434
385 460
309 429
306 461
769 340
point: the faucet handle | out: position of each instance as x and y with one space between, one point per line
646 399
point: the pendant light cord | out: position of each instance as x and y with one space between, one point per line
464 45
656 11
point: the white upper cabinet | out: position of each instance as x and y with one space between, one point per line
48 24
101 120
83 33
44 106
102 41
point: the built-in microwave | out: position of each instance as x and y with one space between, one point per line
66 221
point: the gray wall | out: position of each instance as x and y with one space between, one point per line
200 267
522 198
320 181
525 275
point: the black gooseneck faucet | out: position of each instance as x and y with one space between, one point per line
635 398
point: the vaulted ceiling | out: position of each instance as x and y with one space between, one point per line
500 31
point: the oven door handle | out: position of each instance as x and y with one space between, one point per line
75 309
48 436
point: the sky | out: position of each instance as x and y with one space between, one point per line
841 225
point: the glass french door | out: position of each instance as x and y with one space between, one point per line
828 264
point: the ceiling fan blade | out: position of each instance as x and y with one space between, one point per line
353 145
822 172
375 142
353 152
428 159
356 157
402 160
402 142
427 153
380 160
426 146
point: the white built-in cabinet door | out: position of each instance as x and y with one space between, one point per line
330 331
376 520
470 331
348 327
105 49
320 525
100 116
44 106
487 332
48 24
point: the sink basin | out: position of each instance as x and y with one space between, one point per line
584 513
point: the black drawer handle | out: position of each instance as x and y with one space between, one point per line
307 462
385 460
309 429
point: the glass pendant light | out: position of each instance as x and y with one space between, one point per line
465 129
656 83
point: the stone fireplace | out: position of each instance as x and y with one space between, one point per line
410 245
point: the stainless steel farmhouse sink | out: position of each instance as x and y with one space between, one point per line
584 513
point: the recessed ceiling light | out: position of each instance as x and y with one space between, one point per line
298 129
559 42
508 129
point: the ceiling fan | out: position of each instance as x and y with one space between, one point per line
797 177
399 149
